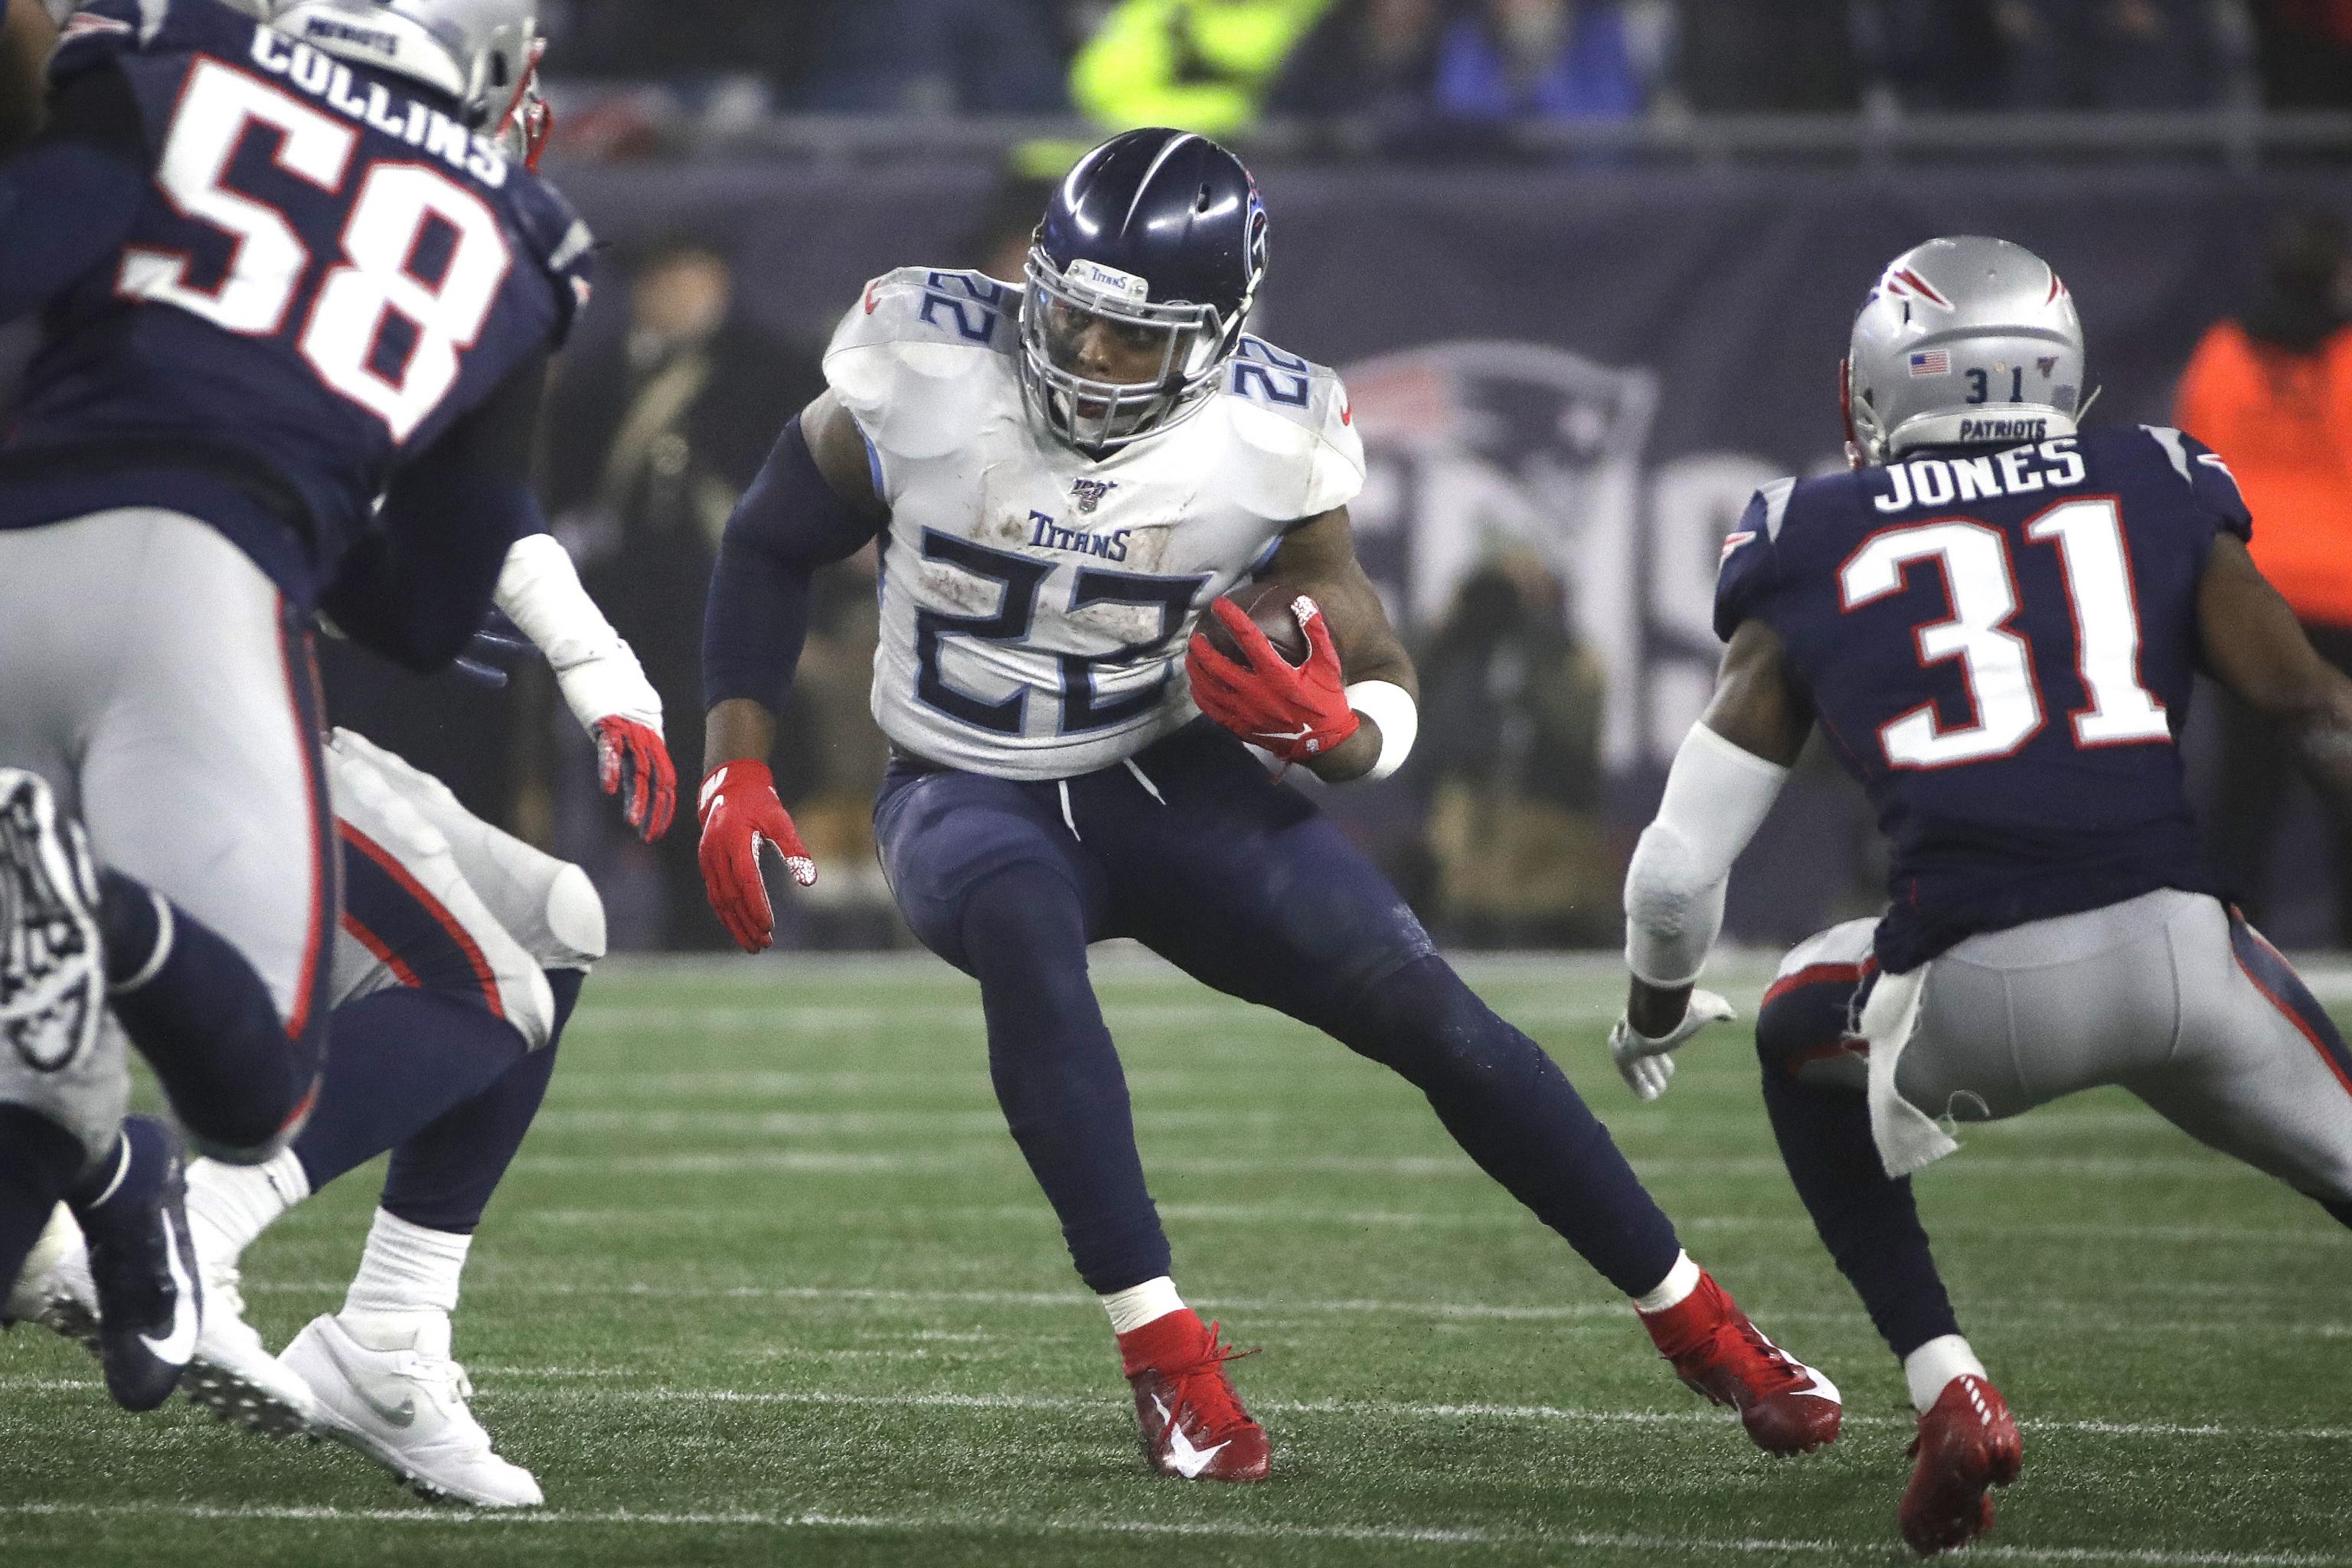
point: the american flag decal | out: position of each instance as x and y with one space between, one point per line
1934 362
1732 542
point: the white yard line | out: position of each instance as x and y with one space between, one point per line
528 1283
1434 1535
994 1152
701 1216
620 1383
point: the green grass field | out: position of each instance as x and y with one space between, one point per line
770 1284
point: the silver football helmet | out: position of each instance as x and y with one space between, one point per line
481 52
1962 341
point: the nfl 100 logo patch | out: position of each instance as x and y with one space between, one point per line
1089 493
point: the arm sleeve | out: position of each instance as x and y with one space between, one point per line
68 200
540 591
789 524
1716 797
416 588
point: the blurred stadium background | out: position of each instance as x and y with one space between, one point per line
1587 267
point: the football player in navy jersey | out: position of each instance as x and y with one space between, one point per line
1064 477
283 271
1994 621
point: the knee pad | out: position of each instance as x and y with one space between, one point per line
575 921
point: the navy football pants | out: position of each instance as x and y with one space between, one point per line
1192 850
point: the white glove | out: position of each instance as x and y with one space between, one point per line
1648 1065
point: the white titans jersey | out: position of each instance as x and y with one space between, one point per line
1035 603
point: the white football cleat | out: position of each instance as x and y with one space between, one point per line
233 1374
25 1297
403 1405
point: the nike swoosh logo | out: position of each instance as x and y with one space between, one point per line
1298 734
402 1414
174 1348
1188 1461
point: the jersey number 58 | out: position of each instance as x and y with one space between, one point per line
377 331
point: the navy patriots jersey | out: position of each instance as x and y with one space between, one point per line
323 271
1999 645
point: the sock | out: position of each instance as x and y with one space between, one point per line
205 1021
1140 1304
1674 1289
1173 1340
406 1268
397 1061
1513 1111
228 1205
1869 1223
442 1177
1056 1074
38 1161
1935 1364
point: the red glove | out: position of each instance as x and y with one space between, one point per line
1294 714
631 762
740 813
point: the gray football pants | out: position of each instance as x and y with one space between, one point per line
2164 995
150 672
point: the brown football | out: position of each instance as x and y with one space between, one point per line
1267 604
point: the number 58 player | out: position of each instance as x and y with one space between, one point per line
282 270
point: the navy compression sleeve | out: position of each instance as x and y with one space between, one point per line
789 524
68 200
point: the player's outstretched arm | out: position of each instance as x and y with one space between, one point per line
2253 644
27 37
1357 663
602 683
812 504
1725 779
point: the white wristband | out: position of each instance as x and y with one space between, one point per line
1391 707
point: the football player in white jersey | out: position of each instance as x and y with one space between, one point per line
1063 476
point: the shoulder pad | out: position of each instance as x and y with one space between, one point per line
560 239
1296 414
2206 476
1750 556
923 355
107 29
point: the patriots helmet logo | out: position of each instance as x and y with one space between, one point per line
1089 493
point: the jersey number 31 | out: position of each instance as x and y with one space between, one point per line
378 332
1974 557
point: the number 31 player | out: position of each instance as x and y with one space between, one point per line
1062 477
1994 621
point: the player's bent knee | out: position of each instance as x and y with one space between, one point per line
575 920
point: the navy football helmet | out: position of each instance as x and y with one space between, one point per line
1139 281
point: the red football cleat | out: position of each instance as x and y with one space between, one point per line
1786 1406
1192 1422
1967 1443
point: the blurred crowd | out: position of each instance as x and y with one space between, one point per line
1497 830
1220 66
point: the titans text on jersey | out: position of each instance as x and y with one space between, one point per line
1035 599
